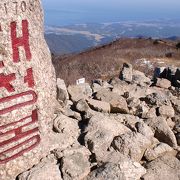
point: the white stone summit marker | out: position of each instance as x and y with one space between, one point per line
27 87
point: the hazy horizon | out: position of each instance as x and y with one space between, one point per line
90 11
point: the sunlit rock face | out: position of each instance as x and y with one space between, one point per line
27 87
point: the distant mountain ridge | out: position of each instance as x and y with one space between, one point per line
79 37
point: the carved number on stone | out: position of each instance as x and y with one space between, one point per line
30 138
21 104
20 41
19 7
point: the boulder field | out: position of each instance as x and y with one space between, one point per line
127 128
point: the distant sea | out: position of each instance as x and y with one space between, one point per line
71 17
68 17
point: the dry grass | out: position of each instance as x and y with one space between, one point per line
106 61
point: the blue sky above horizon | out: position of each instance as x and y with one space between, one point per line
65 12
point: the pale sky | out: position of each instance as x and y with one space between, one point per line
88 10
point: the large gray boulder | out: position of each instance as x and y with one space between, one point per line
67 131
140 78
157 151
47 169
166 111
62 94
142 110
157 98
118 103
126 73
82 106
163 83
119 86
75 163
100 133
121 168
162 131
99 106
132 145
145 130
163 168
81 91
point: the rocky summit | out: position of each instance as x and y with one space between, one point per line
127 128
124 128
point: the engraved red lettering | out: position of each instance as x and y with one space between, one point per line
5 81
18 135
37 138
17 106
1 64
20 41
29 78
